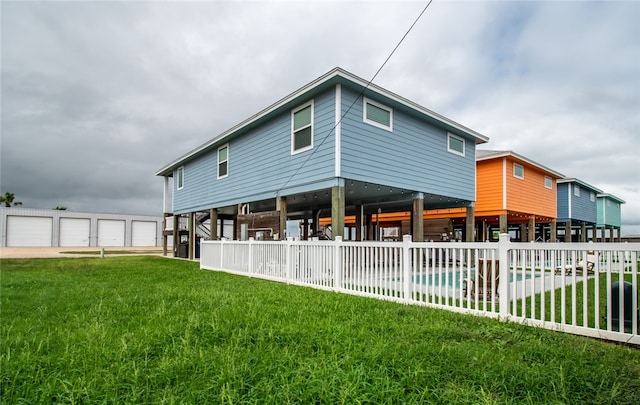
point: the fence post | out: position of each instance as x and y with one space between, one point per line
221 255
250 269
406 267
288 261
337 264
503 272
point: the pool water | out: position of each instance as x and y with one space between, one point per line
454 279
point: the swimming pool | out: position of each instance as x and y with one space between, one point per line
453 280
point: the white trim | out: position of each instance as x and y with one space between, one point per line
295 110
226 145
366 101
504 183
570 202
338 132
550 186
180 178
455 152
514 171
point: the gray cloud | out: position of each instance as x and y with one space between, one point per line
97 96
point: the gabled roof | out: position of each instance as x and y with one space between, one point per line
582 183
612 197
329 79
494 154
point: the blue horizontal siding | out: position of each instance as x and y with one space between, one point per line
260 162
413 156
582 208
563 202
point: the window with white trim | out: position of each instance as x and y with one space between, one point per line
518 171
223 161
576 190
592 196
180 178
302 128
377 114
455 144
548 182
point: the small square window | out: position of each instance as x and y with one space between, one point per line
456 144
223 161
576 190
302 128
548 182
518 171
377 114
180 178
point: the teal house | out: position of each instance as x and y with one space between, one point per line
609 217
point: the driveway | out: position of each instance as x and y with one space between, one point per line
58 252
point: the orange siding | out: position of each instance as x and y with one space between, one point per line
489 186
529 195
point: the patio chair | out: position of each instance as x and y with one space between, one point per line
587 264
483 277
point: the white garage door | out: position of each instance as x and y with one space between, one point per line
29 231
110 232
143 233
74 231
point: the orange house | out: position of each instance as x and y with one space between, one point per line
513 191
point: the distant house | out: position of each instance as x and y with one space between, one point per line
337 146
515 195
609 217
577 210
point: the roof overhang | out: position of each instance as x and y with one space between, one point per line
612 197
482 155
580 182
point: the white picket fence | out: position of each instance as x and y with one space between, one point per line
572 287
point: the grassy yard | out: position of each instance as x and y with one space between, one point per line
154 330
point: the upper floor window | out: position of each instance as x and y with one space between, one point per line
223 161
455 144
302 128
377 114
576 190
518 171
548 182
180 178
592 197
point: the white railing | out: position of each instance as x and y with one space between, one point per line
589 289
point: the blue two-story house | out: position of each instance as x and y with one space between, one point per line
577 209
338 145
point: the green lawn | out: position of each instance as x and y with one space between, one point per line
154 330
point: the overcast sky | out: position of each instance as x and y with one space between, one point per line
97 96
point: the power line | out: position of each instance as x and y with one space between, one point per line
358 97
